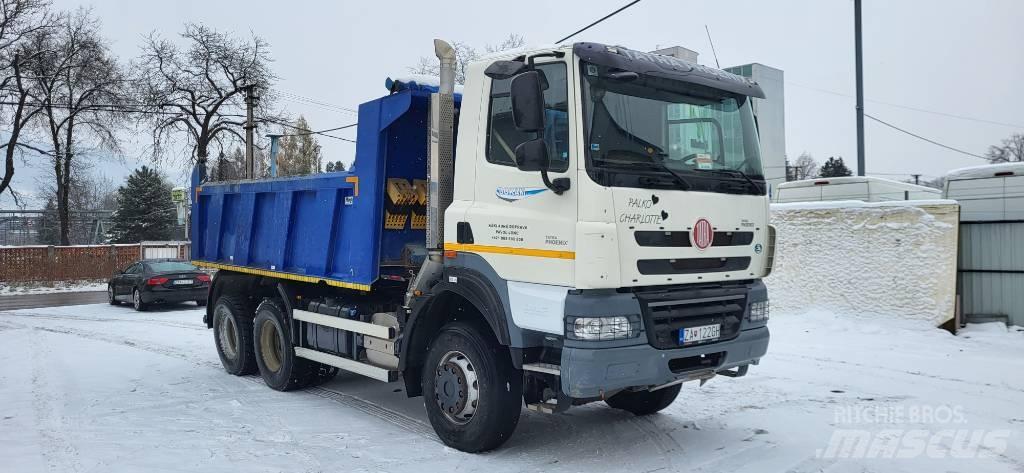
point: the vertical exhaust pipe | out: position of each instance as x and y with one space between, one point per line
442 165
441 171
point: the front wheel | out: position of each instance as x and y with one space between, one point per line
472 393
642 403
137 302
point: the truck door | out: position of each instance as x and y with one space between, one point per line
523 229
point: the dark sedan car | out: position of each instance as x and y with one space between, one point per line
155 281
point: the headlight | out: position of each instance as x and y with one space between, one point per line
758 311
617 327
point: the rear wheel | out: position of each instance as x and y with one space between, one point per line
275 354
472 393
232 333
110 296
642 403
137 303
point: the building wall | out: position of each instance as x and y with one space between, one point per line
770 113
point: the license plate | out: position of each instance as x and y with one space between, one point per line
183 282
699 334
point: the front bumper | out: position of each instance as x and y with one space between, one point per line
592 372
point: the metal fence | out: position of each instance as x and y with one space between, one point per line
30 227
69 263
991 270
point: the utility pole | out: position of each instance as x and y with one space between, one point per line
917 178
860 87
250 104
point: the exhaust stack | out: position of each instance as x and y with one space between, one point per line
441 173
442 165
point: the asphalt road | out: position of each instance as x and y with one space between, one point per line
31 301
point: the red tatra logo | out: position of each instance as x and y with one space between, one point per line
703 235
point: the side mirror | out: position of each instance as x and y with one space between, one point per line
532 156
527 102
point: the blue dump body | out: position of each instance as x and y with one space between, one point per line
323 227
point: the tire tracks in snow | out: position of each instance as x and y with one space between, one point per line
388 415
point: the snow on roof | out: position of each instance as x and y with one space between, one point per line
518 51
986 170
855 204
855 180
418 81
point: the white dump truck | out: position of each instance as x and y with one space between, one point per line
581 223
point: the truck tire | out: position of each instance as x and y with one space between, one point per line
473 394
275 354
232 333
642 403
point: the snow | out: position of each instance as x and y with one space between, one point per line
101 388
855 180
422 80
987 170
861 259
854 204
51 288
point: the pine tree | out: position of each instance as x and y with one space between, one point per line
299 154
49 226
834 167
144 208
334 166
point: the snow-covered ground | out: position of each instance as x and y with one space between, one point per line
9 289
100 388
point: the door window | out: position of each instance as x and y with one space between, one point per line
502 136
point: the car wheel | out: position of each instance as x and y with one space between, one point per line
473 394
137 303
110 296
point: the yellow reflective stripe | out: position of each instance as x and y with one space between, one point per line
507 250
278 274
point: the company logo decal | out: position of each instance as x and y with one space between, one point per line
703 235
512 194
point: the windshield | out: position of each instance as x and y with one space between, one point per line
165 266
652 132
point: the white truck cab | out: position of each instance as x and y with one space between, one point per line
616 202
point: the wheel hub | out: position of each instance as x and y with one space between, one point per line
456 388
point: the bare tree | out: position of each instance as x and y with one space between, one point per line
464 54
805 167
1012 150
198 92
18 19
80 87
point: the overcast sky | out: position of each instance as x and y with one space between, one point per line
953 57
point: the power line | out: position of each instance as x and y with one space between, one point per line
908 107
915 135
585 28
321 133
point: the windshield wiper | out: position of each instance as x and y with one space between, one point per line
660 159
742 174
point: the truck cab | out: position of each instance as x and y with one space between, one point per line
580 223
650 240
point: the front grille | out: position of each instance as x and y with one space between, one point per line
665 313
682 239
692 265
